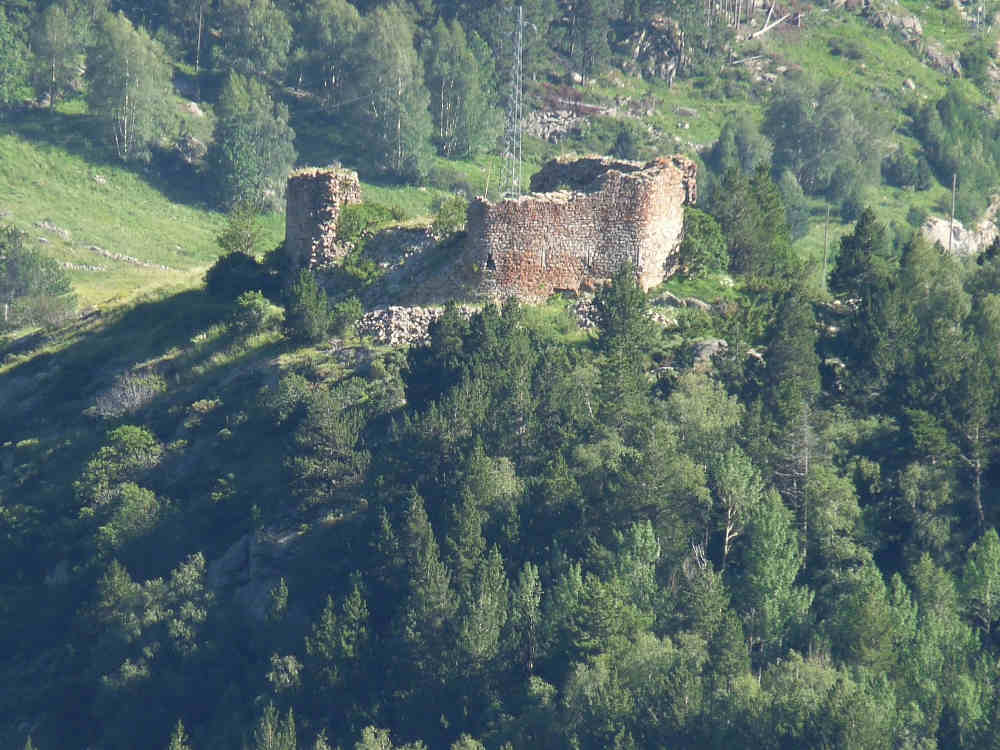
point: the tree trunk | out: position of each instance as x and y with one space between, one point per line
197 49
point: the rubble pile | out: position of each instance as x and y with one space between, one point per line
401 326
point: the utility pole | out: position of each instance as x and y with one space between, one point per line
513 152
951 221
826 242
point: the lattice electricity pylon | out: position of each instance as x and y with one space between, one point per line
513 152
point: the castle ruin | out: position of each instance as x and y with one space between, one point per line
314 198
583 220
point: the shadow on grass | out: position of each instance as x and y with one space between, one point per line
83 136
67 380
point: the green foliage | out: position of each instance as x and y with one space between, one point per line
450 218
307 312
976 61
274 732
129 79
323 37
26 278
559 538
958 141
256 37
796 205
817 130
57 46
344 315
393 112
864 266
752 216
14 59
234 274
243 229
981 582
587 36
253 146
774 606
458 74
359 221
740 146
703 249
178 738
253 314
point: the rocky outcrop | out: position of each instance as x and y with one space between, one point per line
251 568
553 125
962 241
314 199
656 50
936 57
905 24
584 219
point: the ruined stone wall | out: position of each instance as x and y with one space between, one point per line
614 212
314 198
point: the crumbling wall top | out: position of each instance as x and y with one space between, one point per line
323 173
589 173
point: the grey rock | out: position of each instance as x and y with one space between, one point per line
697 304
705 350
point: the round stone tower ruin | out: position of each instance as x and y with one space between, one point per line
584 218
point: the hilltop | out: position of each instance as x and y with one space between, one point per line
249 505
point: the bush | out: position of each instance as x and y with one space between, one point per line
34 289
253 314
308 318
703 249
344 315
450 179
916 216
450 217
130 392
233 274
899 169
852 206
360 221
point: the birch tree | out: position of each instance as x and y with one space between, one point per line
129 86
394 112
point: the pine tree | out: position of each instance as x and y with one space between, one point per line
179 738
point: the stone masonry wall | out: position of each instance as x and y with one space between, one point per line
613 212
314 198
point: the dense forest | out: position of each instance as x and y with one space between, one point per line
755 507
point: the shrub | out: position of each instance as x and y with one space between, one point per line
450 217
703 249
344 315
916 216
233 274
308 317
359 221
899 169
34 289
130 392
253 313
